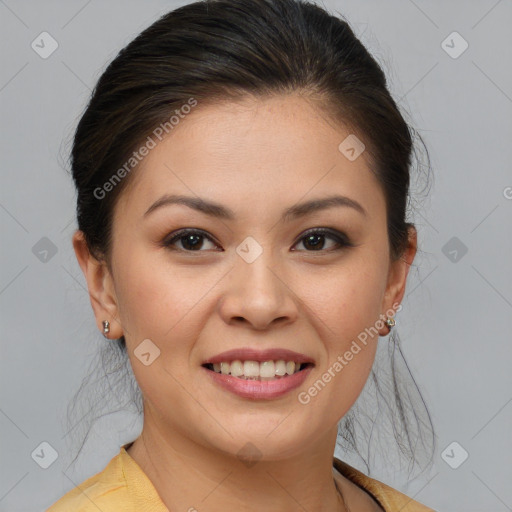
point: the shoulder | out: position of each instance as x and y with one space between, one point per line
389 499
121 486
105 491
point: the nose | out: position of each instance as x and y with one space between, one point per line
258 294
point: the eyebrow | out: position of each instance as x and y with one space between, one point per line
217 210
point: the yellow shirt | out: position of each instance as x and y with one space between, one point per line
123 486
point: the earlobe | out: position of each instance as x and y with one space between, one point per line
397 277
100 287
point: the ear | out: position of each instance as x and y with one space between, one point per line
100 285
397 277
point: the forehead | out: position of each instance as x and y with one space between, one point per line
266 151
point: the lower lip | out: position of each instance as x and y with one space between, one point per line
260 389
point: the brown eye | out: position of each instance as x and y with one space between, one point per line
192 240
314 240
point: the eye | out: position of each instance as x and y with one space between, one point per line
315 239
191 240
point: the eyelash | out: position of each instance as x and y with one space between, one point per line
342 241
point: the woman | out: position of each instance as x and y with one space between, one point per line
242 177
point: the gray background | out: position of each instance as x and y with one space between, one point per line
455 325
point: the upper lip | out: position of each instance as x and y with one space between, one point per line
250 354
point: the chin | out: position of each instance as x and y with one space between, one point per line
257 444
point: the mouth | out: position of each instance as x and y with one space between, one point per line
259 374
255 370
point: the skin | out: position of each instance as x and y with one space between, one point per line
256 157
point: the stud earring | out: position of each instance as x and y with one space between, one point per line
106 328
390 322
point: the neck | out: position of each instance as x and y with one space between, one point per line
189 476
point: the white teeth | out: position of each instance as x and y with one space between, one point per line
280 368
251 369
237 368
266 370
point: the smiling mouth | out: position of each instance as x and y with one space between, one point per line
254 370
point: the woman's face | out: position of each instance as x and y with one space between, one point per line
251 281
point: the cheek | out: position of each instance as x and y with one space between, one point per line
163 303
350 310
349 306
146 301
349 300
152 296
